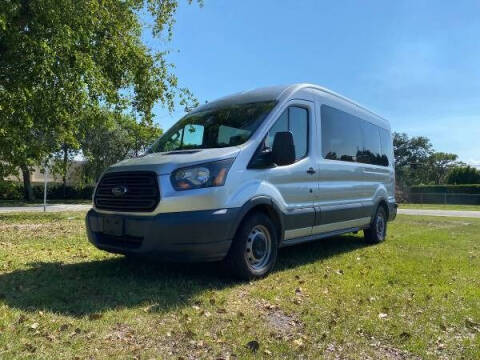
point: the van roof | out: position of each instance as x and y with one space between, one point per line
275 93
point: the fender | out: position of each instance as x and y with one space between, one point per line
258 201
377 204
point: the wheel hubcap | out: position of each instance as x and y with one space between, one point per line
259 247
380 227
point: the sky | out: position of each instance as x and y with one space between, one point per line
416 63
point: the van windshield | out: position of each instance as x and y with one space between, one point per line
214 128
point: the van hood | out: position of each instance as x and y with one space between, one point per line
166 162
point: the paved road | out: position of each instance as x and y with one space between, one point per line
50 208
451 213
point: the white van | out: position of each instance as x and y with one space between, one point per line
239 177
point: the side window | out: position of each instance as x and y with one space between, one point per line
372 152
192 135
387 147
341 135
298 126
295 120
280 126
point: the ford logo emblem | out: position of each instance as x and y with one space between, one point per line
118 191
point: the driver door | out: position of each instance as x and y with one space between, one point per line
296 182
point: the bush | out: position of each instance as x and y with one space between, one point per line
55 192
449 189
464 175
10 190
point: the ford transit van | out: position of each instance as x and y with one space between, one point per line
242 176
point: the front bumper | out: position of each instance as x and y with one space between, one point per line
182 236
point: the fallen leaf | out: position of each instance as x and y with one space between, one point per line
298 342
30 348
150 308
253 345
470 323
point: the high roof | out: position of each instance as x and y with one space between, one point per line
248 96
273 93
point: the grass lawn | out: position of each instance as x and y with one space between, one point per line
440 207
415 296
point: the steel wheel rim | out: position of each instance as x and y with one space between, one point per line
380 226
259 248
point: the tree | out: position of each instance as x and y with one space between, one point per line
411 158
463 175
439 164
108 137
61 58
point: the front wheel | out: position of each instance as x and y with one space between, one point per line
377 232
254 249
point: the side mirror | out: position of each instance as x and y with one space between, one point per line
283 149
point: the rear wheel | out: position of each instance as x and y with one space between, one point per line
377 232
254 249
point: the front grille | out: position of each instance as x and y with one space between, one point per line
141 194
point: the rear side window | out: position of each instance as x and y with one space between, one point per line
341 135
371 152
295 120
346 137
387 147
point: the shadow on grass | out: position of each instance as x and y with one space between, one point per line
96 286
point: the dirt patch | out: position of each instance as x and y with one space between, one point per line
281 325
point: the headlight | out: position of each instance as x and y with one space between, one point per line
202 175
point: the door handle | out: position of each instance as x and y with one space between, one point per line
311 171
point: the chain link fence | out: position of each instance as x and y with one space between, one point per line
443 198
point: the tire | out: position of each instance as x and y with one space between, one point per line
377 232
254 249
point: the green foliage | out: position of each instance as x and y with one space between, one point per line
416 162
439 164
449 189
410 155
108 137
464 175
10 190
55 192
62 58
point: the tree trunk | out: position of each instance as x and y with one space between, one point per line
27 184
64 170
